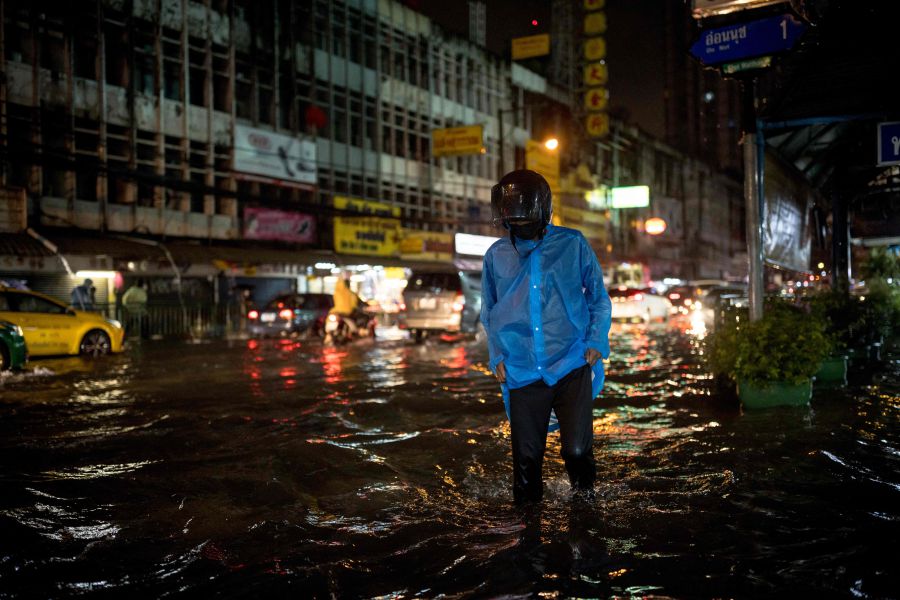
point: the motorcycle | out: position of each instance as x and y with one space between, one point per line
340 328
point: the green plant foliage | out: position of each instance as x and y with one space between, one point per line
858 320
880 264
787 345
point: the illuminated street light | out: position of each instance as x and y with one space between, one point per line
654 226
551 144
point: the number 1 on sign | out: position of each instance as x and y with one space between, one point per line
784 29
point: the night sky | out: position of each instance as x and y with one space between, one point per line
634 40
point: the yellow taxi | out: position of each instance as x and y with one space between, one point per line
50 327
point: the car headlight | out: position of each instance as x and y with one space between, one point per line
19 331
114 323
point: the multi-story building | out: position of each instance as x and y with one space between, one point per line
226 143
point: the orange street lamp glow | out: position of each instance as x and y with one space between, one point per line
654 226
551 144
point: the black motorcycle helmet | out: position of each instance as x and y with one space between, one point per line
522 197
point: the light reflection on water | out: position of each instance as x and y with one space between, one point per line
382 470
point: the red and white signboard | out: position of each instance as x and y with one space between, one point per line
279 225
273 155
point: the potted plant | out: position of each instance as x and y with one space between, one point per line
772 360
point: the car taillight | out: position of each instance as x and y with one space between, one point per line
638 297
402 306
674 296
286 314
460 303
253 315
333 318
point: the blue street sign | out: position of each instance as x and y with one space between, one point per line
746 40
889 143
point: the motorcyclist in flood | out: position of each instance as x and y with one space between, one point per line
547 315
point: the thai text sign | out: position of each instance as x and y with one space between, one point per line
267 224
749 39
596 74
457 140
533 45
375 232
273 155
417 244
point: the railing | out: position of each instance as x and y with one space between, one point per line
175 320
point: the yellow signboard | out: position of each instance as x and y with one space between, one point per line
595 48
595 23
543 161
597 124
594 4
417 244
596 99
457 140
377 233
596 74
533 45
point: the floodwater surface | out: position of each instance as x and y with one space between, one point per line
382 469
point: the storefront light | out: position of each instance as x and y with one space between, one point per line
96 274
325 265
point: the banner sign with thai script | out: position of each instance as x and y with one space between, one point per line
456 141
273 155
283 226
417 244
375 232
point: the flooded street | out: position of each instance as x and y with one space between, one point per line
383 469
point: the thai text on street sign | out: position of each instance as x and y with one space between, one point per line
889 143
533 45
760 62
457 141
746 40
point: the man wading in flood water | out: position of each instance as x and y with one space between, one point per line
547 317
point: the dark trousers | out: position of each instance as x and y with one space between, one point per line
529 409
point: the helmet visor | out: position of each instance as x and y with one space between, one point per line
513 202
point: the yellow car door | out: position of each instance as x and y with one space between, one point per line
48 326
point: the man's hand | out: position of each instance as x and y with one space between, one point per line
592 356
500 372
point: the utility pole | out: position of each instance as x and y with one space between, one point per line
752 197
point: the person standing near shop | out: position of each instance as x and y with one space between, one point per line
135 302
83 295
547 316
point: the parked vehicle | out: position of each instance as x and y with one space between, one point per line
291 314
13 350
717 298
639 304
683 298
441 302
50 327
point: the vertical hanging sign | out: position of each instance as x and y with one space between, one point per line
596 74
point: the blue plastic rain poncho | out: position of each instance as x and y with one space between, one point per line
543 305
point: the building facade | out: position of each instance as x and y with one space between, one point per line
276 141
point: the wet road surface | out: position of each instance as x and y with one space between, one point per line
382 469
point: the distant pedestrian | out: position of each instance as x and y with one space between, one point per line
135 303
547 318
83 295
